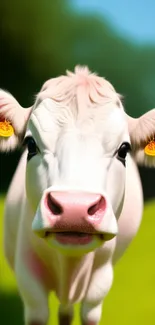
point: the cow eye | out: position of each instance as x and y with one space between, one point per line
31 146
122 151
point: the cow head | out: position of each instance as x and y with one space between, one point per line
78 139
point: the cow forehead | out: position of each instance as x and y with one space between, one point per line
51 118
50 113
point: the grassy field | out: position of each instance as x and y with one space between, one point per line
132 298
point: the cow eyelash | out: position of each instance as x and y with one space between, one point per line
123 151
128 147
31 145
26 140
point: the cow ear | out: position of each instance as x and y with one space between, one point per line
142 135
13 121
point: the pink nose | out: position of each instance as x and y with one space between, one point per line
73 208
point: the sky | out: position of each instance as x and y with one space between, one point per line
134 19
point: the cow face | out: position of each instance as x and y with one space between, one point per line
77 165
78 146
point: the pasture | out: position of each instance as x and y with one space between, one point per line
132 297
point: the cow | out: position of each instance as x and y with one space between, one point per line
75 202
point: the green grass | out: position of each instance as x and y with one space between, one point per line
132 297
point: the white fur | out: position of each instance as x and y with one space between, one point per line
78 123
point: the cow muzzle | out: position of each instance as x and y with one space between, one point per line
74 218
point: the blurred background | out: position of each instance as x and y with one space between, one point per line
40 40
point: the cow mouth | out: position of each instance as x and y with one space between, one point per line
74 238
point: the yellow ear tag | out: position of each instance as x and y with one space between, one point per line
150 148
6 129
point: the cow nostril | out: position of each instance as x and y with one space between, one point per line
92 210
100 205
53 206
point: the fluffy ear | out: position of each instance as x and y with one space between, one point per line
142 134
13 121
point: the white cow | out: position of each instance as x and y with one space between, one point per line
75 202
